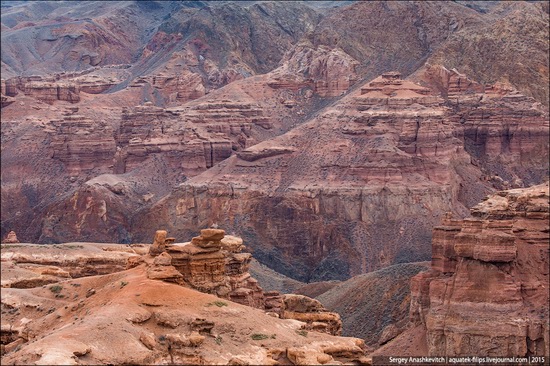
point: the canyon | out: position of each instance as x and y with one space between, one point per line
340 146
485 292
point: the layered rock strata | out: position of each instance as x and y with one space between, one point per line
325 182
211 263
214 263
47 90
81 143
26 265
505 132
387 161
312 312
487 292
51 92
193 139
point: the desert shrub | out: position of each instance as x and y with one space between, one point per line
217 303
302 332
259 336
56 289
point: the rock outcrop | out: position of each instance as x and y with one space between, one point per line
50 92
312 312
215 263
80 143
28 265
505 132
328 71
153 322
195 145
11 238
487 292
45 89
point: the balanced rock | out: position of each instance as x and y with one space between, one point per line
232 244
209 238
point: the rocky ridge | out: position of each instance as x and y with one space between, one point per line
163 318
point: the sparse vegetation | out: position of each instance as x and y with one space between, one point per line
219 340
217 303
73 246
67 246
302 332
56 289
9 246
259 336
123 283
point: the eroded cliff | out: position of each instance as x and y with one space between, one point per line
487 292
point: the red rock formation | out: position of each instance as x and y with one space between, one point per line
153 322
11 238
214 263
93 84
504 131
81 143
138 140
393 138
330 71
312 312
158 243
46 89
28 265
50 92
210 263
182 88
307 186
487 293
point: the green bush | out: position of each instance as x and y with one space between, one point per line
302 332
259 336
56 289
217 303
